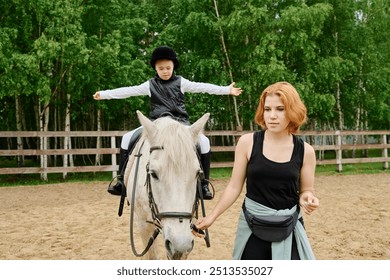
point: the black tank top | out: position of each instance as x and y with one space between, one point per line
274 184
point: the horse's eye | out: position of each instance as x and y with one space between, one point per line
154 175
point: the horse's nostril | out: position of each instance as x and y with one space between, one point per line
168 246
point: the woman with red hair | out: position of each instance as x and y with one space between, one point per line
278 168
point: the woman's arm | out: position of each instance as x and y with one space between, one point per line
234 188
307 199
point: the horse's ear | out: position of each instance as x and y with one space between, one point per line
149 126
197 127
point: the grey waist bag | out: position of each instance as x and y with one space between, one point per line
271 228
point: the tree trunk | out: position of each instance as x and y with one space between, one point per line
98 140
365 127
66 138
338 97
357 128
222 37
338 90
338 105
19 127
56 140
43 125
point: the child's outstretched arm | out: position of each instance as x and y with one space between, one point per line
96 96
235 91
123 92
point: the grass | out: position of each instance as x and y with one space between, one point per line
321 170
216 173
34 179
352 169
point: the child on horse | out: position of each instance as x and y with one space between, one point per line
166 91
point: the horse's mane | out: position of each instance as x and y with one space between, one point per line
177 142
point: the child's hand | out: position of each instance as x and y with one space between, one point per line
235 91
96 96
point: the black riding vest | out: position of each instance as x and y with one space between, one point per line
274 184
166 99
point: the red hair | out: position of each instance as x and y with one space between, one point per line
295 109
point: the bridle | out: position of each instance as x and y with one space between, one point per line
157 216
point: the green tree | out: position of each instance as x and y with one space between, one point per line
55 54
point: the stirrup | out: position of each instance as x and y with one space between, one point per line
117 188
207 195
206 192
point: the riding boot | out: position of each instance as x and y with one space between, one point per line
205 162
117 188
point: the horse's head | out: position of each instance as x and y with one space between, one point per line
173 169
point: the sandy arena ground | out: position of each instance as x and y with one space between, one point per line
76 221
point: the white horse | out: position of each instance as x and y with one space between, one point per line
163 171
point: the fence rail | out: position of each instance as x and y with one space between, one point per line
322 141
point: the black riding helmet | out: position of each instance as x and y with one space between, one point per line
164 52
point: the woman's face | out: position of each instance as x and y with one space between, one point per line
164 68
275 114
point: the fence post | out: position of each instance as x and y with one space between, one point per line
113 156
339 151
384 152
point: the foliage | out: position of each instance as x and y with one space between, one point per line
334 52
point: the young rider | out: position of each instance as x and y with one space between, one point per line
166 91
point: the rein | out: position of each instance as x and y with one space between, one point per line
156 231
156 215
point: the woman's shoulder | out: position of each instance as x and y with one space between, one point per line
309 152
246 140
250 136
244 145
309 148
246 137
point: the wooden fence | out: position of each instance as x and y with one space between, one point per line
222 141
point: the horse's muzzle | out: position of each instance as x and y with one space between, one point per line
175 253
